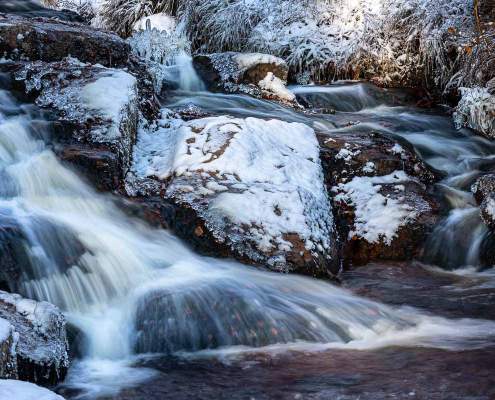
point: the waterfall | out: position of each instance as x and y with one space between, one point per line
167 54
131 289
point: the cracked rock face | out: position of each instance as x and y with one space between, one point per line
53 40
380 201
39 330
253 188
97 111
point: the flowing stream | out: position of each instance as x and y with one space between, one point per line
132 291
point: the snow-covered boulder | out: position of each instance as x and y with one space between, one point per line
97 109
476 110
389 217
42 343
484 193
19 390
256 74
53 40
8 344
254 189
380 202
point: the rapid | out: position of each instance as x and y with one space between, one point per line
134 293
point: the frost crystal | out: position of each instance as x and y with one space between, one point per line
476 110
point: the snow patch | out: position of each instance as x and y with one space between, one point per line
109 95
369 167
249 60
276 87
346 153
19 390
6 330
489 207
397 149
377 217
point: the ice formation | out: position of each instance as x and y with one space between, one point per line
476 110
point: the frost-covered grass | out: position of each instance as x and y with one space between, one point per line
399 41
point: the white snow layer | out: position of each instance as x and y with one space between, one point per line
276 87
377 217
265 177
6 330
110 95
476 110
249 60
20 390
489 207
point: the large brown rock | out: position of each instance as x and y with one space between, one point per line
244 188
53 40
379 194
97 112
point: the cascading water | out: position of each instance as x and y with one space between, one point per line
168 58
131 289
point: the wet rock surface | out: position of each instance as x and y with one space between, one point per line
13 258
42 344
32 9
53 40
94 137
380 196
451 295
398 373
392 372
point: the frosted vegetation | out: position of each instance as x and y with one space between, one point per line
434 42
476 110
398 40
